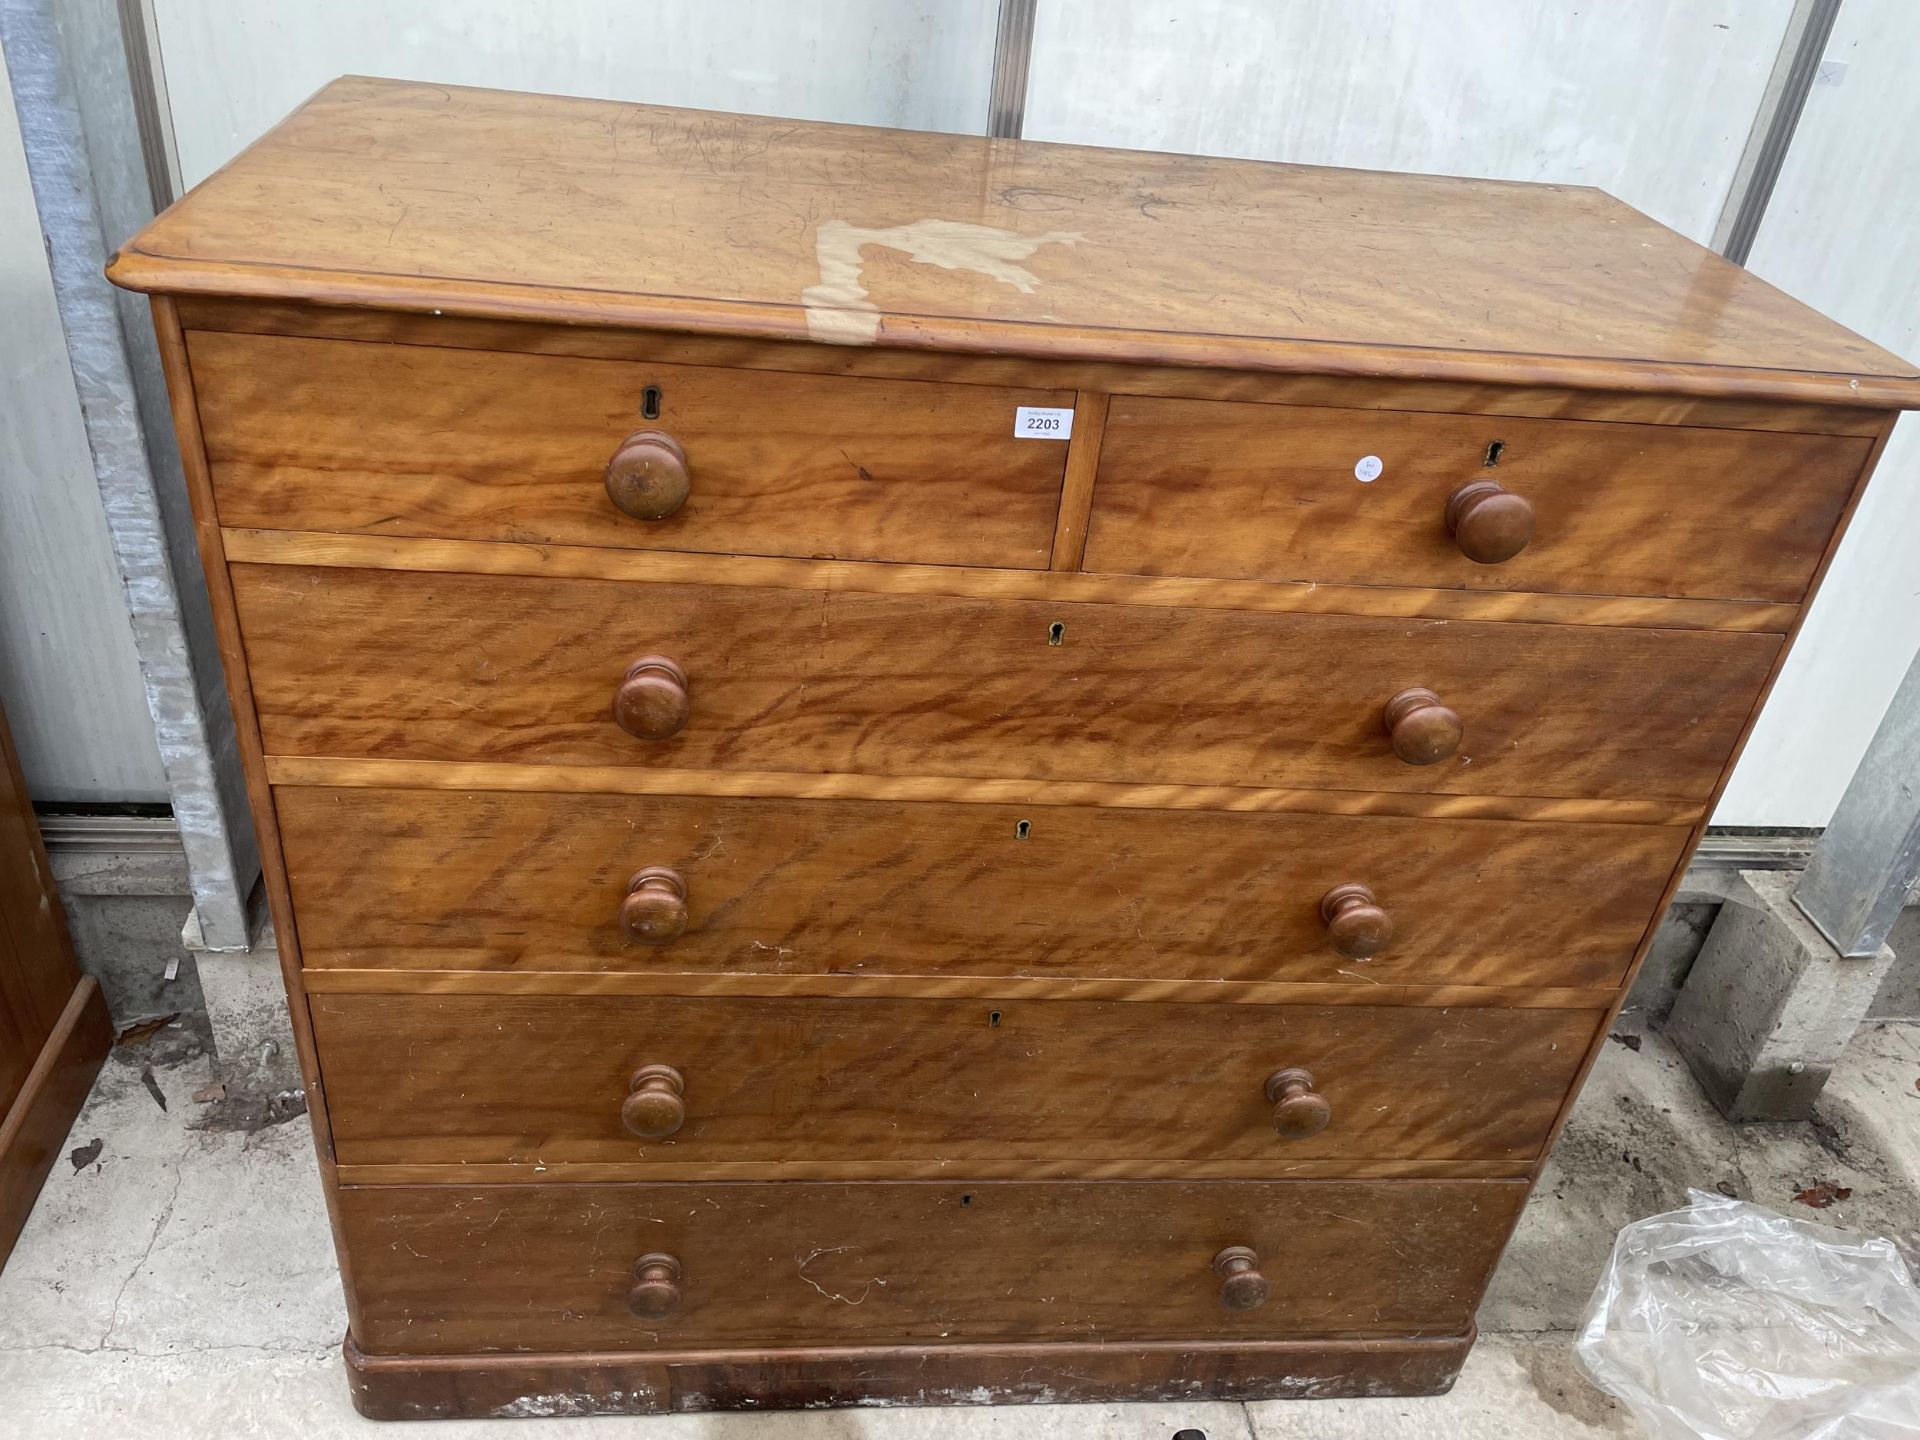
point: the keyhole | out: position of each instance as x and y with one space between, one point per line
650 404
993 1018
1494 451
1022 829
1056 632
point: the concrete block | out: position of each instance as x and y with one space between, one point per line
1769 1004
124 910
1899 997
1675 946
247 1014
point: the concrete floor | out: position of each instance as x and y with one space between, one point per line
182 1283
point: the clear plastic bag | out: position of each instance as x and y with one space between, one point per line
1727 1321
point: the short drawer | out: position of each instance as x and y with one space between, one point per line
1360 497
477 880
438 1269
552 1079
526 669
417 440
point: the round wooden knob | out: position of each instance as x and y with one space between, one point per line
1242 1286
656 1287
652 703
647 477
1424 731
654 1109
1356 923
1299 1111
1488 521
655 910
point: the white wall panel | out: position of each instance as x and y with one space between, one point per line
1651 100
69 677
1843 234
233 70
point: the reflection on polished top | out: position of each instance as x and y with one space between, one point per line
477 202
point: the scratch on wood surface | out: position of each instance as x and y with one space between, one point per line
802 1261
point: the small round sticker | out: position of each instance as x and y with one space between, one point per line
1367 469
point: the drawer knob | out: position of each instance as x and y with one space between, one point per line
647 477
1242 1286
656 1287
1299 1111
1488 521
655 910
654 1109
1356 923
652 703
1424 731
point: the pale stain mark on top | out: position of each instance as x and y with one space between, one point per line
838 310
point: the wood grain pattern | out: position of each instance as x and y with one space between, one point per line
471 880
368 552
1285 1166
493 1079
443 1387
1172 991
615 780
461 444
887 685
293 770
545 1267
321 981
1395 275
1076 494
1195 487
256 317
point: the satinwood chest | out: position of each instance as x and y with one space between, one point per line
903 768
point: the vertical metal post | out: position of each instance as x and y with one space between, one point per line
1785 98
147 88
1012 50
1865 865
182 684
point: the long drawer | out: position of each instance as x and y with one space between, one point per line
480 445
451 1079
1280 492
476 880
550 1267
513 668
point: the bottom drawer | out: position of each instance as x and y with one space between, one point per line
446 1269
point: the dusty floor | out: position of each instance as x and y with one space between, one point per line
180 1282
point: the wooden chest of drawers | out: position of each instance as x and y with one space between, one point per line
900 768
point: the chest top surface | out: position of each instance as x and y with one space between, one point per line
476 202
